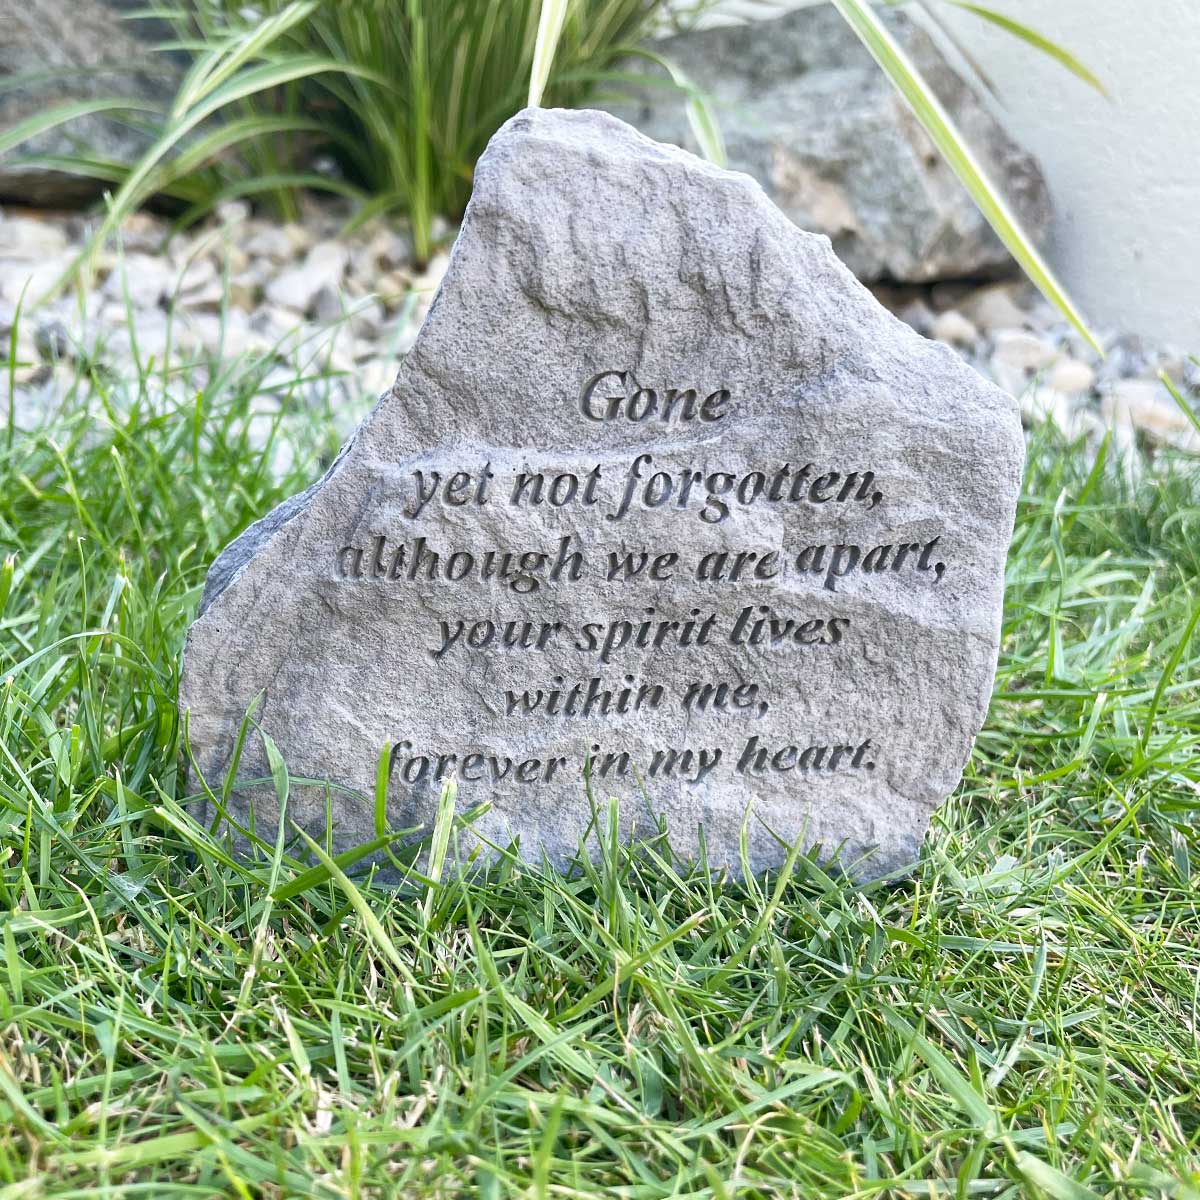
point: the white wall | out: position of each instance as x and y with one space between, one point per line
1124 173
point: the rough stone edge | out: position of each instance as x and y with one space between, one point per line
228 566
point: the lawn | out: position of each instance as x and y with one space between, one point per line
1019 1017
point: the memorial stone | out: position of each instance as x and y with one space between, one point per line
662 505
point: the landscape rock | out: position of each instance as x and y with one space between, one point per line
661 499
803 108
80 50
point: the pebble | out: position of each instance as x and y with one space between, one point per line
26 239
143 279
994 307
1026 351
297 288
918 315
1071 376
143 233
1046 404
327 305
52 339
1146 405
391 249
270 242
368 318
954 329
27 283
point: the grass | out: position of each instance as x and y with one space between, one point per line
1017 1018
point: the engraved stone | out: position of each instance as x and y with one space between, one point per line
661 496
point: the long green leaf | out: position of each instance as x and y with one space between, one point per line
947 1074
938 124
550 24
371 923
706 129
1037 40
440 844
61 114
1051 1180
141 182
315 876
220 64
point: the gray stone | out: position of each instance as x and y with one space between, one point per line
804 109
54 51
583 524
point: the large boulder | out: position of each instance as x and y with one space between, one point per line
56 51
805 109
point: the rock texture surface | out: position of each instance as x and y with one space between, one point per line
53 51
805 110
660 489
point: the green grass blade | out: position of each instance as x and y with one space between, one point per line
1050 1180
702 118
1188 409
226 61
947 1074
142 180
371 923
440 844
